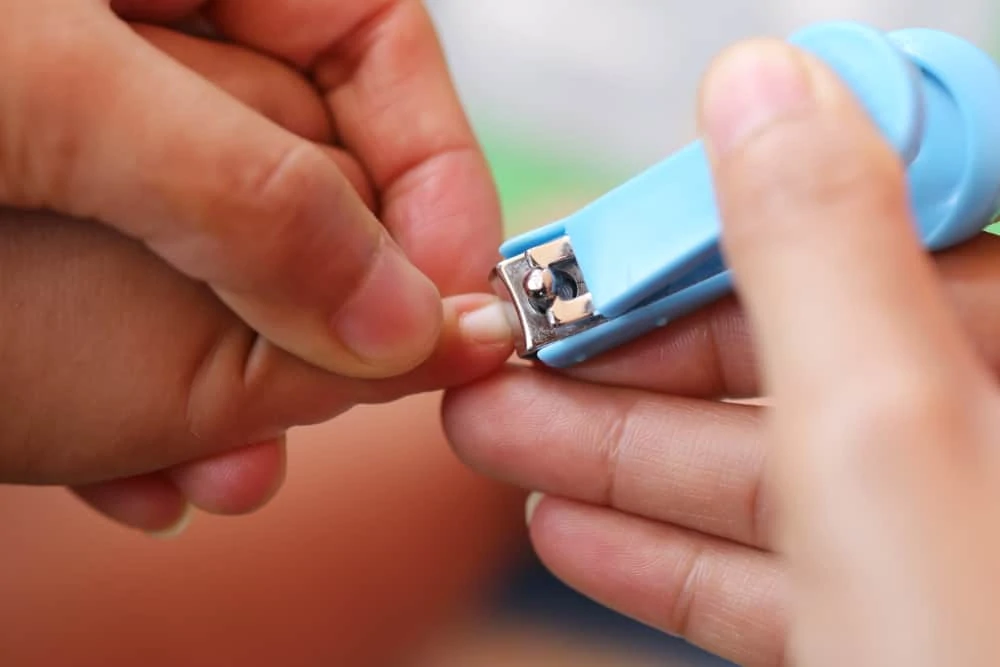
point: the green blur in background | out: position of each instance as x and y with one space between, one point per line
529 174
527 177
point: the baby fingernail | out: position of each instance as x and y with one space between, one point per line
178 528
750 87
531 504
486 325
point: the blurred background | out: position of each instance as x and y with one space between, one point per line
382 551
572 96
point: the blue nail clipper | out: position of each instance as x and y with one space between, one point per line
648 252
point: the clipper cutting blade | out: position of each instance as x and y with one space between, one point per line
546 295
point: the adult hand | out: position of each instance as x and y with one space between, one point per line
98 123
138 386
853 520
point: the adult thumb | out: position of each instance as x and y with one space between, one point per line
99 124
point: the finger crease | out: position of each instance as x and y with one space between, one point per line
757 510
617 432
201 423
337 63
254 359
417 168
202 368
681 618
719 377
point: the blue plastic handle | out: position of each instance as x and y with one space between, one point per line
649 249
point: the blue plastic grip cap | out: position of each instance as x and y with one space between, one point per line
885 82
954 181
940 115
649 250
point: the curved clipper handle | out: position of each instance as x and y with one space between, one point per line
954 181
943 124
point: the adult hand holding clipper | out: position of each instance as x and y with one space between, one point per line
853 520
648 252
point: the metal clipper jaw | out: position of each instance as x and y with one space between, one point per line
546 294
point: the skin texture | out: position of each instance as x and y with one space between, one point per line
207 412
323 575
231 198
847 518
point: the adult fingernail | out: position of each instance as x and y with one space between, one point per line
392 321
178 528
487 325
531 504
749 87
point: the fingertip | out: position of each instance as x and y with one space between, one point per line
477 418
748 87
531 505
392 321
149 503
234 483
486 324
473 344
178 528
477 331
554 526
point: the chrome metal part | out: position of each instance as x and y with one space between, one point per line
546 295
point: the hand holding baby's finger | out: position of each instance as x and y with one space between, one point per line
100 124
229 402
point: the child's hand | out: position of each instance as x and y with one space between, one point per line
882 485
97 123
124 378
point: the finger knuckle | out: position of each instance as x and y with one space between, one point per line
692 572
296 211
617 442
883 418
40 142
216 392
901 399
760 512
276 189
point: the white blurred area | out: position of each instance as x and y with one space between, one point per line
616 79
